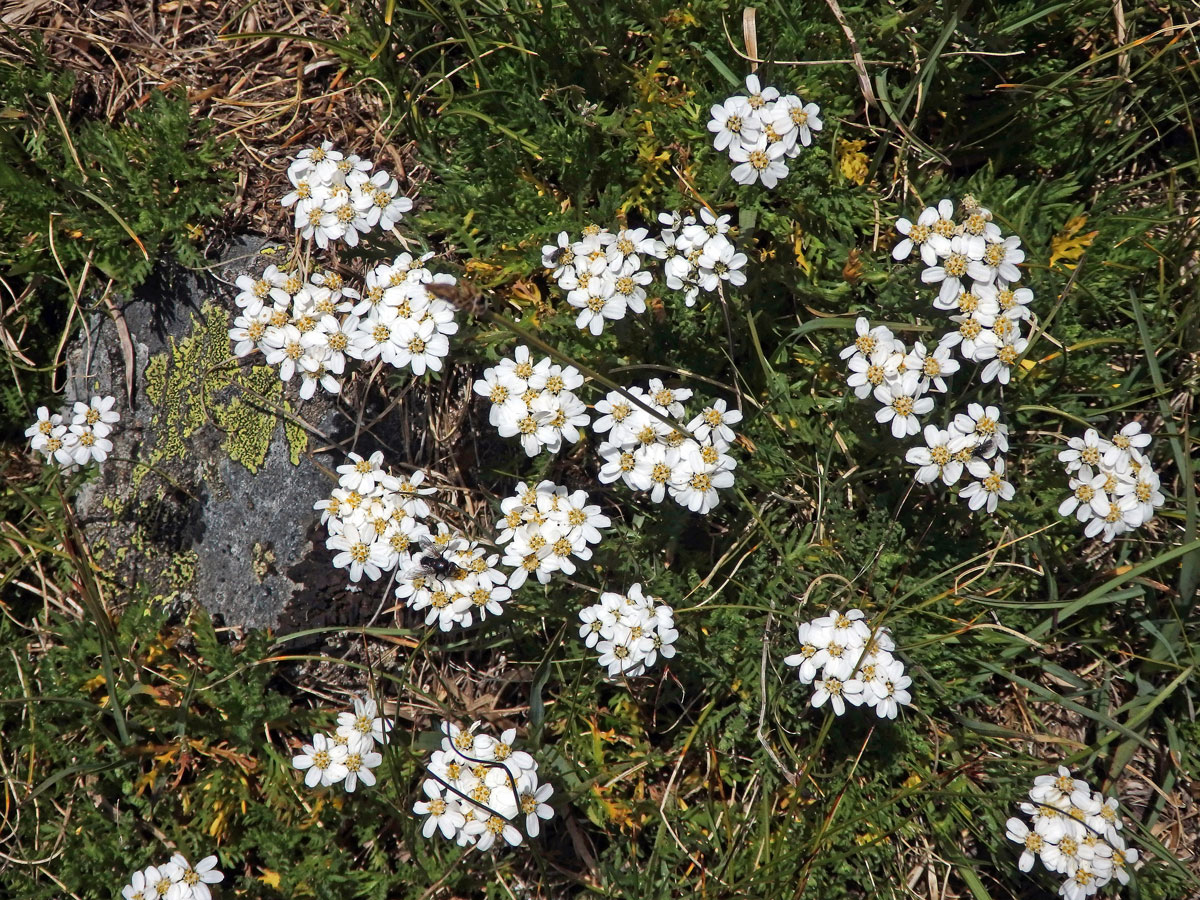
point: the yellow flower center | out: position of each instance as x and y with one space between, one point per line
956 265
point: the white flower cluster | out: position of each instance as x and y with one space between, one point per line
546 530
988 314
1113 487
629 631
479 789
602 273
309 325
847 664
338 197
373 517
78 442
975 441
455 580
990 309
1075 832
699 254
760 128
348 756
649 455
376 519
535 402
176 879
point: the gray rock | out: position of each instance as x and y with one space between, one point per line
208 494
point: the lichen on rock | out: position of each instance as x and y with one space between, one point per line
211 463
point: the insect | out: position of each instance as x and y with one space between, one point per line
985 446
464 294
432 562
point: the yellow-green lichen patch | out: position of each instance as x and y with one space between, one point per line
262 559
246 420
196 382
297 437
180 569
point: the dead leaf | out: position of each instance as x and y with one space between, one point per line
852 161
126 341
1069 244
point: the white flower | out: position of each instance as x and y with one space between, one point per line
188 881
158 882
532 801
1144 489
1123 445
507 405
558 257
1003 356
283 348
931 367
100 415
443 816
89 444
1031 841
1088 450
364 723
733 120
138 889
362 475
695 482
803 118
714 419
888 690
869 371
918 234
361 551
1114 516
980 429
1085 487
356 765
990 486
630 288
1000 260
758 161
838 692
902 403
43 428
248 331
868 339
600 304
936 459
961 255
720 261
321 226
698 233
759 96
319 759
